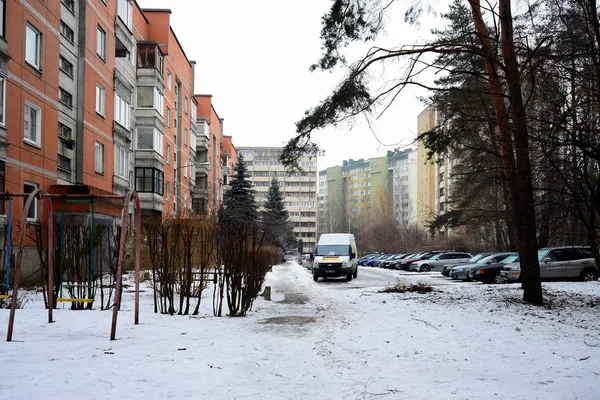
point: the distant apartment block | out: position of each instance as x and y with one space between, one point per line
299 189
347 193
434 176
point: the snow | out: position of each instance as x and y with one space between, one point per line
325 340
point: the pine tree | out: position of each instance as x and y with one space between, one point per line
274 217
239 206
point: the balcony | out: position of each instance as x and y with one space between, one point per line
201 143
201 169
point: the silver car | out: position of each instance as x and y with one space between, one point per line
461 272
560 263
438 260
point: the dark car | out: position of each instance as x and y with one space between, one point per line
447 268
390 262
379 262
490 273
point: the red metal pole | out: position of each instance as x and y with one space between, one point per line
50 259
23 226
119 283
138 241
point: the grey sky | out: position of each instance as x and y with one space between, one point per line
253 57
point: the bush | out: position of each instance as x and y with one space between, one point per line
403 287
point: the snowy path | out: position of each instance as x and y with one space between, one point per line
325 340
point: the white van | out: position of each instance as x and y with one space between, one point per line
335 256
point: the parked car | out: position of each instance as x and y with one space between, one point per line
388 264
511 272
395 263
371 262
561 263
379 262
363 261
462 272
424 255
451 257
490 272
447 267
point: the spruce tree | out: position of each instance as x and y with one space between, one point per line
239 206
274 217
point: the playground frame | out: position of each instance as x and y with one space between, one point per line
132 196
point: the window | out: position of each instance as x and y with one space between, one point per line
169 80
149 138
65 97
33 214
441 192
185 137
168 191
121 162
150 96
99 158
67 32
2 184
64 131
193 113
125 12
70 4
192 140
33 47
168 121
149 180
101 43
2 13
2 99
64 163
122 111
168 155
100 100
32 122
159 99
65 66
185 105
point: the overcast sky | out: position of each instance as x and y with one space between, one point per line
253 57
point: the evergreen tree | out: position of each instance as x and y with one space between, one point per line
239 206
275 217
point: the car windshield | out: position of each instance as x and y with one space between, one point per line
486 259
436 256
542 253
510 259
429 256
409 255
398 256
476 258
333 250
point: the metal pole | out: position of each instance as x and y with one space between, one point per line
138 242
8 244
23 226
50 259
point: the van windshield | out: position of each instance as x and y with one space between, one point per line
333 250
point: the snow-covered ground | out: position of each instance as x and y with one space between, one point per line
325 340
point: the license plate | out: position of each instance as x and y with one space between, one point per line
329 271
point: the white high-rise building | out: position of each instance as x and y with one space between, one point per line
299 189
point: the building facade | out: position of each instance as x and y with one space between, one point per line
402 173
299 189
97 97
434 176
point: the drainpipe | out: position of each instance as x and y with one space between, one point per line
80 114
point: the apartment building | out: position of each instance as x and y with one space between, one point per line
347 193
402 173
299 189
434 176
